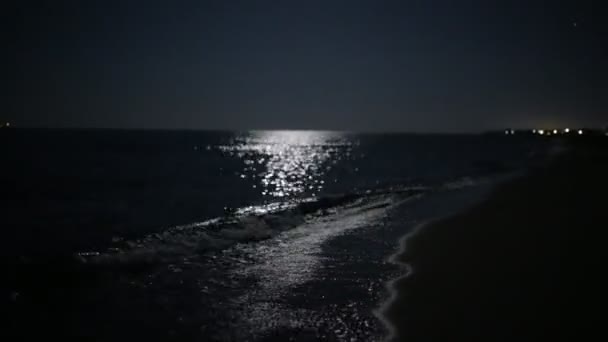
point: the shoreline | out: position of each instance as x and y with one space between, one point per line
508 267
393 293
406 269
442 206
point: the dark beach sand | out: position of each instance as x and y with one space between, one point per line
527 264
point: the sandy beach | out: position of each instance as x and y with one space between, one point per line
526 264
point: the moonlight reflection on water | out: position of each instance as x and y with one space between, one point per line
288 163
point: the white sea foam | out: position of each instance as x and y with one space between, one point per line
253 224
248 226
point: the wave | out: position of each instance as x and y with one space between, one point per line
247 225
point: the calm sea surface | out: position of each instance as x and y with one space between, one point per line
228 236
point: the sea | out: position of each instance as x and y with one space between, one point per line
122 235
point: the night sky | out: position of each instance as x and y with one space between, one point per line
419 66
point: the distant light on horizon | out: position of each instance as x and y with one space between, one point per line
580 132
567 130
541 132
554 131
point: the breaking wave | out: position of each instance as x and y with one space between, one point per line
247 225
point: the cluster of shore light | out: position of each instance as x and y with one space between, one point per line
557 131
550 131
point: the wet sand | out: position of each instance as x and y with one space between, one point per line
526 264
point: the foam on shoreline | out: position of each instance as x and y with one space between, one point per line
407 270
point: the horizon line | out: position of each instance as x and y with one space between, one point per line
166 129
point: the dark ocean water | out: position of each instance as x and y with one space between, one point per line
268 235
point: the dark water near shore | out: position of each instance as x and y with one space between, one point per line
116 235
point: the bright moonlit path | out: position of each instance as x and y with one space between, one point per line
289 163
284 264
